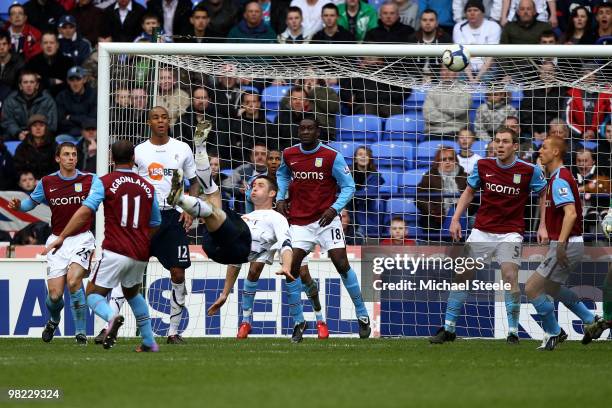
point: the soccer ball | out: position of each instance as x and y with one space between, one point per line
456 58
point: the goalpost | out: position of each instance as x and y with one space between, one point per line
366 95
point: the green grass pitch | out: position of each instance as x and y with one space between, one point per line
335 373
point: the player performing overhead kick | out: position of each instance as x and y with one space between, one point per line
131 217
506 183
564 226
308 181
64 191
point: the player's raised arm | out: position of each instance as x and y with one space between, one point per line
283 178
36 197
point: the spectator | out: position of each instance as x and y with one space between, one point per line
200 109
358 17
51 65
36 233
390 29
125 119
25 39
490 151
408 11
10 63
174 14
8 176
352 235
311 13
87 148
226 93
37 152
366 96
445 113
491 114
27 182
76 104
223 15
466 157
540 105
72 45
170 95
198 30
446 177
397 232
325 103
123 19
493 9
91 64
294 34
586 110
332 32
367 189
23 103
252 29
89 19
288 120
604 21
511 8
591 181
429 33
43 14
476 30
150 22
275 13
527 29
238 181
580 27
443 9
604 149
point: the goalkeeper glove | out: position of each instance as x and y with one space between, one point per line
606 224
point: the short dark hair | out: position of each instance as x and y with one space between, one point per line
123 151
58 149
506 129
5 35
271 181
547 33
398 218
15 4
247 93
28 72
148 15
330 6
310 116
430 11
200 7
294 9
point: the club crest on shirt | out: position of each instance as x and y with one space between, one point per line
78 187
563 192
319 162
516 179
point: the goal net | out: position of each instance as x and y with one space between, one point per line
411 132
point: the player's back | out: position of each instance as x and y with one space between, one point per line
128 205
505 191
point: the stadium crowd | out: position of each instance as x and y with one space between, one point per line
48 69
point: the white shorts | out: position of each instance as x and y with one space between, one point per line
552 270
305 237
503 247
76 249
113 269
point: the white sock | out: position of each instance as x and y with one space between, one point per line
177 303
203 170
116 301
195 207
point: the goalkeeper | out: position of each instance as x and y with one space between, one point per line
607 289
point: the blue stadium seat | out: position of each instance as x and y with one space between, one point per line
396 154
407 127
480 147
271 115
227 172
517 97
272 96
347 149
478 98
411 179
390 186
425 151
360 127
66 138
415 100
404 207
12 146
336 88
589 144
377 3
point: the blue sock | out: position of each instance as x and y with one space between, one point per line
141 312
573 303
513 310
546 310
312 291
100 306
78 304
55 308
248 298
295 301
352 286
454 304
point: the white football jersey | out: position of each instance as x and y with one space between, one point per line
269 231
157 163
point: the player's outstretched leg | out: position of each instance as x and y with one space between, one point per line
116 301
54 306
311 288
143 321
78 304
593 325
535 289
98 304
